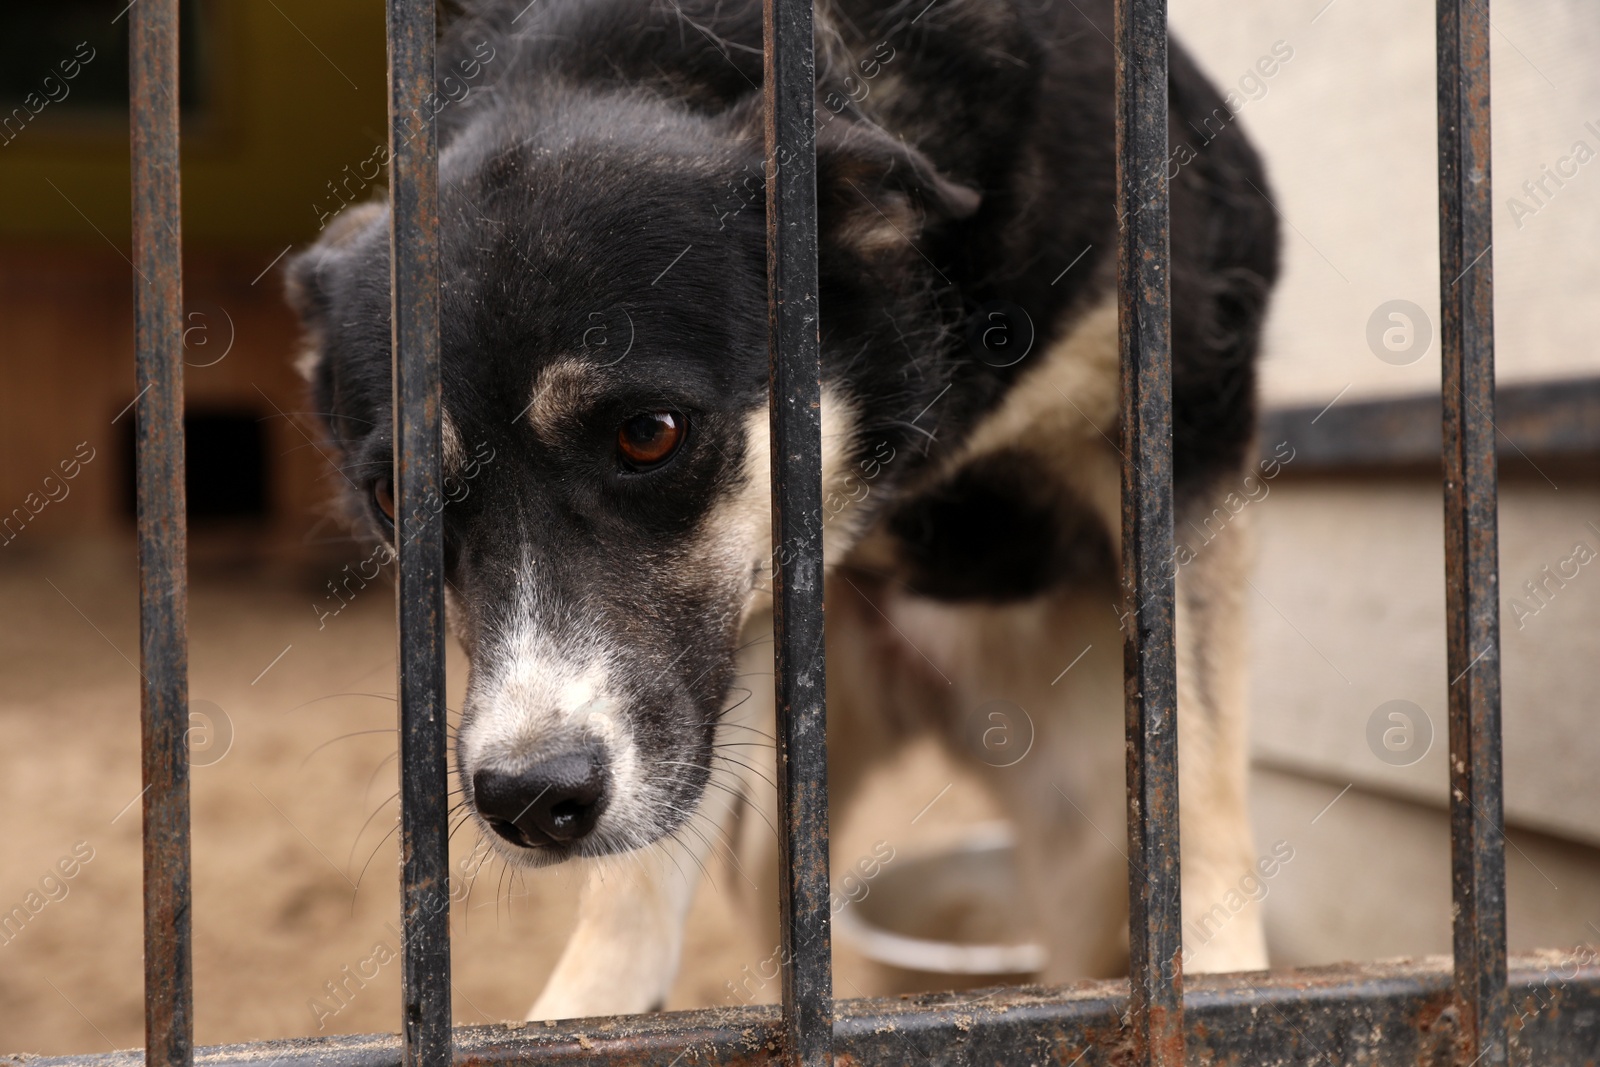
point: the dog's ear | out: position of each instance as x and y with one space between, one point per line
306 277
876 194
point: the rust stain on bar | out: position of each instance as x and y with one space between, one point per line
414 339
162 529
1155 1036
1389 1014
1466 291
793 352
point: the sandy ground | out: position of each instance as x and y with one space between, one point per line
294 852
294 816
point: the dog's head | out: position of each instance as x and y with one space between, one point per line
604 367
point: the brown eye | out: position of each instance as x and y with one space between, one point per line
383 497
646 440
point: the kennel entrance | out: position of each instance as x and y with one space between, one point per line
1364 1013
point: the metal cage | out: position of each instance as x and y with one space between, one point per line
1357 1014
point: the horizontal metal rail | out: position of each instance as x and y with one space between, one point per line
1394 1014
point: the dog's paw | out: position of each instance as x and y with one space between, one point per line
568 1003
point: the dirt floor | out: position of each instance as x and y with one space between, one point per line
293 817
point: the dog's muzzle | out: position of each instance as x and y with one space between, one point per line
556 800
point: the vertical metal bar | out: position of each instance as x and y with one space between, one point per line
163 530
1155 934
1472 597
795 367
419 534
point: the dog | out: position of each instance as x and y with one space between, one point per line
605 418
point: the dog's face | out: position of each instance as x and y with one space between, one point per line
603 336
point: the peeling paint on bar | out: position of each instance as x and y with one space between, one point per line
1394 1014
1472 594
414 303
163 530
1144 316
794 362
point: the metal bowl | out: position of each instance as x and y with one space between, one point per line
957 911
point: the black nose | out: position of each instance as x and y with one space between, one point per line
556 800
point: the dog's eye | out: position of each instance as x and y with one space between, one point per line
383 498
649 439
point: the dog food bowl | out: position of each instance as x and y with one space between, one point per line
956 911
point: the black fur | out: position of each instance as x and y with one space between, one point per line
606 167
1000 528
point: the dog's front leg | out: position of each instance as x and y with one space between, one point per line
1223 923
623 955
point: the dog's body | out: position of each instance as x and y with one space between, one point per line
604 342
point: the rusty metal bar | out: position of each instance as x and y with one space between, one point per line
1388 1014
419 534
1472 566
1155 926
794 362
163 529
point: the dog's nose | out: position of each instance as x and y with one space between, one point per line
556 800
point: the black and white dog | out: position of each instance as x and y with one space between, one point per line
604 341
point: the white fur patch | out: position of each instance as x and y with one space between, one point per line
742 525
540 693
450 443
307 362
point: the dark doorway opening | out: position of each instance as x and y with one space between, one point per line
225 458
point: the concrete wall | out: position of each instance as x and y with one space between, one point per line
1348 611
1348 130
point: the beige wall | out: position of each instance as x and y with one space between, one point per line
1349 613
1348 609
1348 130
1356 567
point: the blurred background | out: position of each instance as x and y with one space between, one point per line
283 106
